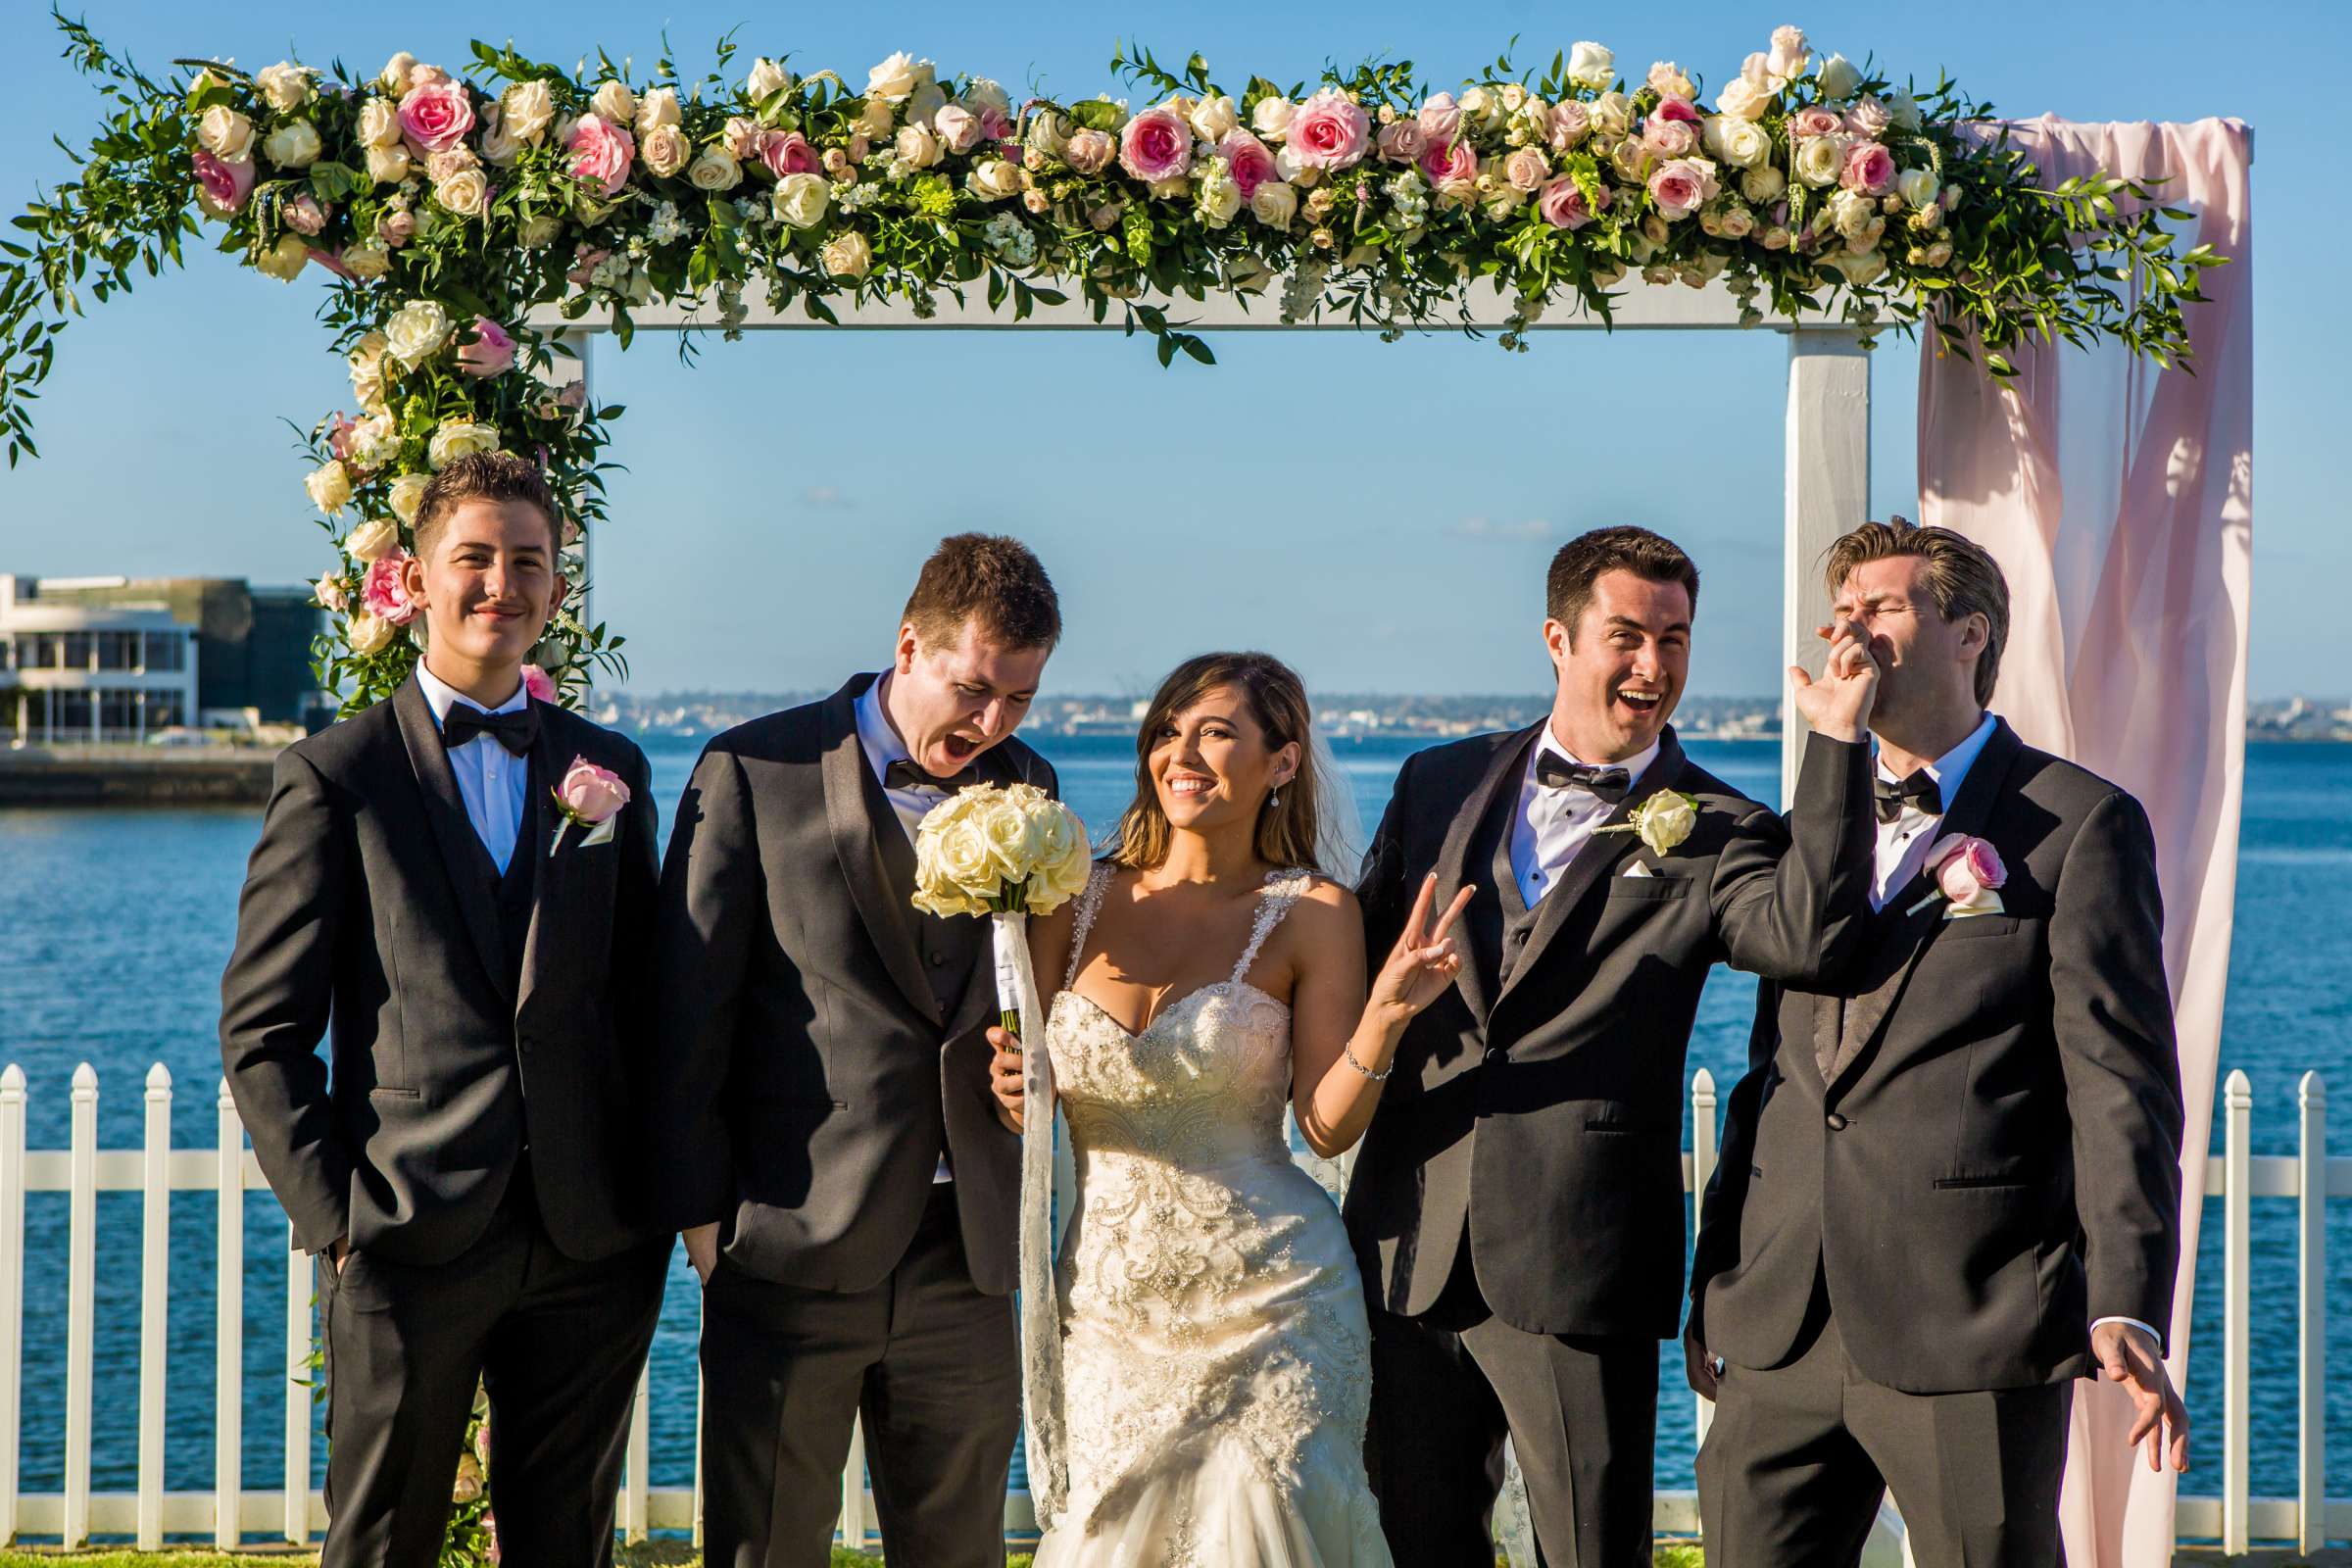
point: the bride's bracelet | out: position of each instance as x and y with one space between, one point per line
1348 1050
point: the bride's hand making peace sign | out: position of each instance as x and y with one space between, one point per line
1423 963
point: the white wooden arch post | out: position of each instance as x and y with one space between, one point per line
1825 491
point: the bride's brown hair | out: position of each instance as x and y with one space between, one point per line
1287 831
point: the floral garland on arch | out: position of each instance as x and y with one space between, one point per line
448 209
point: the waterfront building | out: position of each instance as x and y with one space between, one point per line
89 659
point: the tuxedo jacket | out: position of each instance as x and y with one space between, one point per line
1537 1106
1974 1142
371 915
820 1040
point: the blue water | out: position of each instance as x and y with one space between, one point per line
115 924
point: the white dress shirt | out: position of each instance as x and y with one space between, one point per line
1902 853
882 747
1554 823
1903 844
491 780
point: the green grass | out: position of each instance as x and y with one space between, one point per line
654 1554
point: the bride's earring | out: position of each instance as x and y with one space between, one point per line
1273 798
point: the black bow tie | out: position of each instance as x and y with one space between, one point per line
903 774
1919 789
1555 772
515 731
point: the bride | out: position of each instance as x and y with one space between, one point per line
1215 1351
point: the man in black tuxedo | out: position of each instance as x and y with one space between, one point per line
466 1173
827 1137
1518 1201
1949 1183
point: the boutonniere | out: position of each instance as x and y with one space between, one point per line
592 796
1969 873
1662 821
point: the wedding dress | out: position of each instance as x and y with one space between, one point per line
1215 1364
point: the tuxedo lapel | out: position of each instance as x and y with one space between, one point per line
1478 978
850 816
453 830
557 877
1911 919
1594 863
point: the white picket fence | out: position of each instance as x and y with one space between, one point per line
293 1512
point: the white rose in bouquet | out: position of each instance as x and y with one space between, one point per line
329 486
800 199
657 109
369 634
388 166
1591 65
714 171
1838 79
374 539
379 123
616 103
223 132
286 85
285 260
766 79
416 331
1273 116
848 254
293 145
459 439
894 81
1215 119
1739 143
1820 160
526 110
1919 187
408 494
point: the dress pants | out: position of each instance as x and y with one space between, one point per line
1800 1457
558 1342
928 1360
1580 1412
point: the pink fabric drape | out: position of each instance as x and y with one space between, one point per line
2118 498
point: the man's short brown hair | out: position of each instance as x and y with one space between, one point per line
484 476
1962 577
990 579
1578 564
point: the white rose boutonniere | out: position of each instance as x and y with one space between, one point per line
1662 821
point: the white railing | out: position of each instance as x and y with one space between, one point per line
230 1511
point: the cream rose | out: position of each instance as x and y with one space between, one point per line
408 494
894 81
1917 186
1743 99
396 73
223 132
800 199
379 123
1739 143
664 149
526 110
377 537
369 634
1274 204
416 331
329 486
285 260
538 229
874 120
657 108
1591 65
1838 79
1763 186
1820 160
388 166
459 439
714 169
917 147
1215 119
293 145
766 79
995 180
1611 114
614 101
848 254
286 85
466 193
1273 116
367 261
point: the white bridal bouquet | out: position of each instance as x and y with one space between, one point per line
1009 852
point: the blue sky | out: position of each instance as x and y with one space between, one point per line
1380 515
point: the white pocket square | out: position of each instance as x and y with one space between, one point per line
1637 868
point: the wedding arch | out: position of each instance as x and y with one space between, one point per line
477 230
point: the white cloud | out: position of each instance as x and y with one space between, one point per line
1488 528
825 495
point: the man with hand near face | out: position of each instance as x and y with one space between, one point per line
820 1113
467 1170
1518 1203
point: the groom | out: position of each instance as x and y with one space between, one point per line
827 1140
1518 1202
466 1175
1950 1181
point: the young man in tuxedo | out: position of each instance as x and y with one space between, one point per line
1950 1182
1518 1201
825 1134
466 1173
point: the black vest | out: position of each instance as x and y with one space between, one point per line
1498 931
515 891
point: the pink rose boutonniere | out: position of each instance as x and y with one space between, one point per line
592 796
1968 872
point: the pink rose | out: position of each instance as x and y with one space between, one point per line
787 152
435 115
1966 868
1330 132
396 227
1670 139
1090 151
1815 121
993 124
1404 141
304 216
1682 187
1569 125
1445 162
491 353
1672 110
590 794
1526 169
1869 168
1439 116
382 593
227 182
1562 205
600 153
338 435
1868 118
1157 145
743 138
1250 161
585 263
541 688
957 126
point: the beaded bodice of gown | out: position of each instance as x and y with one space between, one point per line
1216 1355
